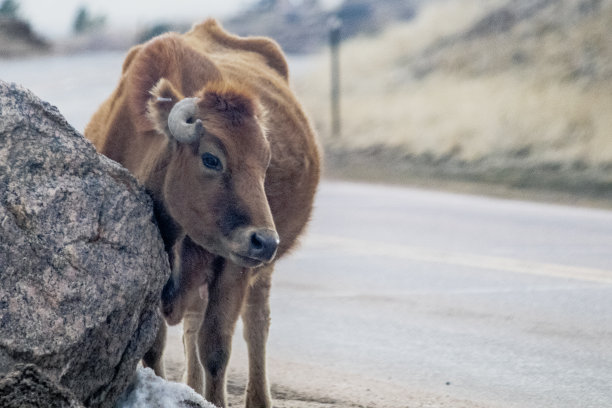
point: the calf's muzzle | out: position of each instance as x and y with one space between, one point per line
263 244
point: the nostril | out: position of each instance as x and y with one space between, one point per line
263 245
257 242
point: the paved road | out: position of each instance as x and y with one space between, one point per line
502 303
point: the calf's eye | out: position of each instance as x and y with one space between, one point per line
211 161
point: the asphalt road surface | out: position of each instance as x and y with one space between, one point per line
409 298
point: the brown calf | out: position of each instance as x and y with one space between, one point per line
207 122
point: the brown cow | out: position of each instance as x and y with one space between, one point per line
207 123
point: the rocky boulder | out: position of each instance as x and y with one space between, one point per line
82 263
27 387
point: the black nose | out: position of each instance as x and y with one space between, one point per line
264 244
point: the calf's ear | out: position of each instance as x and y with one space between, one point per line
163 98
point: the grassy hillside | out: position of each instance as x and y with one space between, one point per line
514 92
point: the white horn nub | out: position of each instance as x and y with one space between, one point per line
182 123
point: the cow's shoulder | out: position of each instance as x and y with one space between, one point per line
212 34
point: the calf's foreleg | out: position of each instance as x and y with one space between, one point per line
226 297
185 297
192 320
256 319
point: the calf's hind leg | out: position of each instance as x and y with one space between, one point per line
226 296
256 319
154 357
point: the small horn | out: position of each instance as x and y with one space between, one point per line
181 120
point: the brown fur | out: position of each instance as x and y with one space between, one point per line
270 158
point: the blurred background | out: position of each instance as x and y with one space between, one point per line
493 93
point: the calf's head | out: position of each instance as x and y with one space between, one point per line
214 179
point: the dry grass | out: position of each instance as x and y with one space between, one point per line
474 118
537 95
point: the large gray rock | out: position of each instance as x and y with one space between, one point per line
27 387
82 264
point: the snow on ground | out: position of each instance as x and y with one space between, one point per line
151 391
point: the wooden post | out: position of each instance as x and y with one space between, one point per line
334 44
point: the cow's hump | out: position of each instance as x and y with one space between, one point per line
211 31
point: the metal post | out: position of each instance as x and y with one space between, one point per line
334 43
